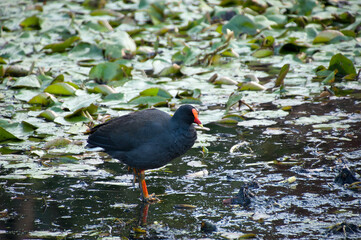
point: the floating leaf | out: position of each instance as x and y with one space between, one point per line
30 81
152 96
104 89
57 143
114 96
148 100
49 115
247 236
281 76
330 78
247 24
60 88
156 12
304 7
235 117
233 99
261 53
86 51
156 92
289 180
343 65
326 36
32 22
225 81
80 102
240 24
62 46
184 206
7 136
44 99
345 17
102 12
14 71
109 71
170 71
187 56
82 114
190 100
116 42
250 86
196 93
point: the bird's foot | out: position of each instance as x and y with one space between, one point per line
151 199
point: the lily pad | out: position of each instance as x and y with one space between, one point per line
61 88
326 36
250 86
281 76
44 99
62 46
30 23
30 81
7 136
233 99
48 114
104 89
343 65
109 71
152 96
261 53
187 56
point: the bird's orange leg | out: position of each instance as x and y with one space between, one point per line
143 187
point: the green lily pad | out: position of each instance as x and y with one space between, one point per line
57 143
187 56
156 92
170 71
115 43
44 99
148 100
152 96
281 76
79 102
61 88
104 89
109 71
86 51
62 46
156 12
7 136
231 119
114 96
82 114
240 24
30 81
330 78
343 65
30 23
304 7
250 86
48 115
261 53
233 99
326 36
247 24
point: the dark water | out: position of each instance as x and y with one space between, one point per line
84 207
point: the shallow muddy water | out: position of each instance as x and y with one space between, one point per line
294 165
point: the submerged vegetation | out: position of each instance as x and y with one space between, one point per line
277 84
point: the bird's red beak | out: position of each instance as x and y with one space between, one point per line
196 119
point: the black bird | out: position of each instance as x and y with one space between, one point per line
147 139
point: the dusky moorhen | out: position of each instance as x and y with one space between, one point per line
147 139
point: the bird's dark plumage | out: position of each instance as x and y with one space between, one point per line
147 139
